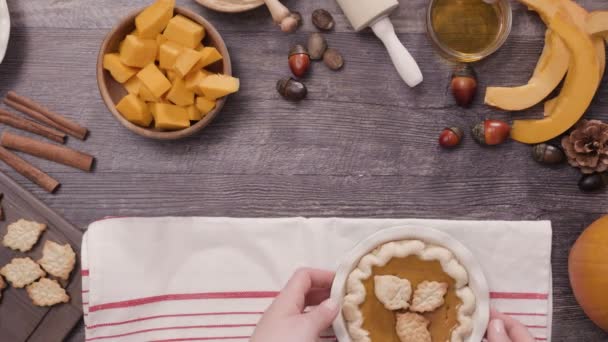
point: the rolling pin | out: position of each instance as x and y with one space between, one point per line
288 21
374 14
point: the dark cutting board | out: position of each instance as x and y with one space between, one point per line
20 320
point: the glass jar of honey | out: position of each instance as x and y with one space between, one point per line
468 30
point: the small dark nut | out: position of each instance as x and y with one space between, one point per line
593 182
333 59
322 19
316 45
464 85
291 89
548 154
450 137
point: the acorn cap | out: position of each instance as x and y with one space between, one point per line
457 130
464 70
297 50
478 133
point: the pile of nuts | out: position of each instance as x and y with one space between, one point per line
300 57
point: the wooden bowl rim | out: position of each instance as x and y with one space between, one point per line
147 132
216 5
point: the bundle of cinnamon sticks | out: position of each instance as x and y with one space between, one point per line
47 124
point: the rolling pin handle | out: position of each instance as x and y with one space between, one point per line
281 15
404 62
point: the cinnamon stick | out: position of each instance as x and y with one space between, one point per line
12 120
37 116
67 125
59 154
29 171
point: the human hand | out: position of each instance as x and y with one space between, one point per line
503 328
285 319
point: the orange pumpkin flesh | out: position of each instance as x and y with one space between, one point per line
588 269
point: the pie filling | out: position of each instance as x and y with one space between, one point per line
409 290
380 322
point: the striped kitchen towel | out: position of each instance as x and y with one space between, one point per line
210 279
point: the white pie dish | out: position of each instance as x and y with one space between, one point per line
477 280
5 28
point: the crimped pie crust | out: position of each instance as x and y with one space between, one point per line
355 290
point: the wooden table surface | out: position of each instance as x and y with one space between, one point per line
361 145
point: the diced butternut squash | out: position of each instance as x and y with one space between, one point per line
146 95
204 105
194 78
186 62
193 113
135 110
210 56
179 94
184 31
170 117
153 20
133 85
138 52
171 75
154 79
168 54
597 23
160 40
200 47
120 72
216 86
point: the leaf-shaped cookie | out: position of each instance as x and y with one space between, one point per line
412 327
428 296
393 292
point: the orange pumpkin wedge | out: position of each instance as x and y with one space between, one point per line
550 70
597 23
588 270
579 87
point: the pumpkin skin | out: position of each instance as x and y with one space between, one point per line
588 269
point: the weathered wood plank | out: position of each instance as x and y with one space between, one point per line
362 144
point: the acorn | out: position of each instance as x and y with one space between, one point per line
491 132
548 154
333 59
593 182
464 85
291 89
299 60
450 137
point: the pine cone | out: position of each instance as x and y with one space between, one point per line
587 146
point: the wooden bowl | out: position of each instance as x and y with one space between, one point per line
112 92
231 6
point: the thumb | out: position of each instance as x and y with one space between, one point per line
321 317
497 331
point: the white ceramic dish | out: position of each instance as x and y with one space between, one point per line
231 6
477 280
5 28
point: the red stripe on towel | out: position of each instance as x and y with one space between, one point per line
84 273
536 326
524 314
220 338
184 296
204 338
518 295
172 328
172 316
540 338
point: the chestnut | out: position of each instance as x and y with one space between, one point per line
593 182
450 137
299 60
333 59
548 154
316 45
322 19
491 132
464 85
291 89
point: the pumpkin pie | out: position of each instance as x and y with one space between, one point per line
409 291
